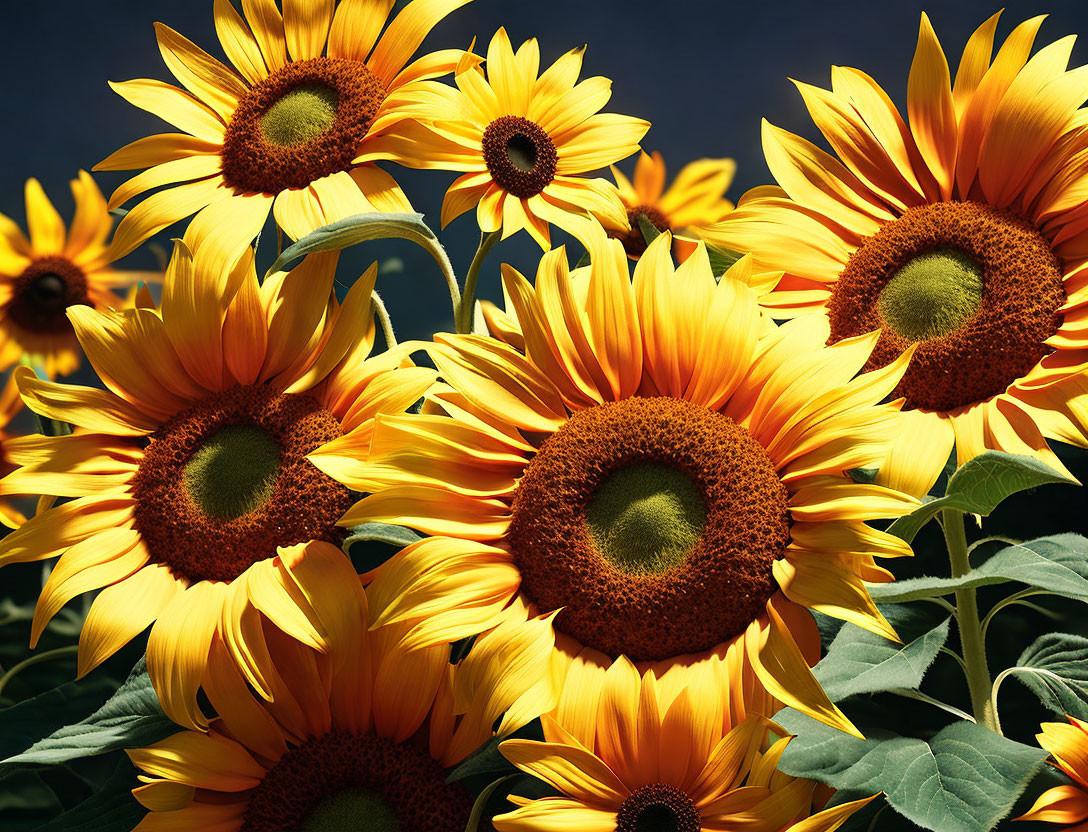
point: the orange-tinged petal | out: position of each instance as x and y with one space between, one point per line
47 232
204 761
574 771
205 77
930 107
356 26
267 24
405 33
238 42
88 407
306 26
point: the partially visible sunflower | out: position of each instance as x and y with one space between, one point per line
657 762
694 201
10 405
661 464
280 132
360 738
965 234
1067 805
55 269
521 140
194 504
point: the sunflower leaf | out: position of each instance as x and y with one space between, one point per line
112 808
131 718
650 232
859 661
979 485
1057 564
965 778
721 259
1055 669
371 544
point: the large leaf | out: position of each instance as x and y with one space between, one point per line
112 808
966 778
1055 668
979 485
131 718
859 661
1057 564
360 228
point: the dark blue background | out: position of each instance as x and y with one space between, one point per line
703 72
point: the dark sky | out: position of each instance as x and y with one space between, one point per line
703 72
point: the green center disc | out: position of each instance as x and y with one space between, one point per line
932 295
646 518
299 116
233 472
352 810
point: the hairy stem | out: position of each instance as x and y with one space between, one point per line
974 650
41 657
385 321
468 298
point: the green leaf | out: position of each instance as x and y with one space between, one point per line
650 232
131 718
979 485
721 259
1057 564
360 228
859 661
26 801
460 649
487 759
112 808
966 778
27 722
583 261
371 544
478 807
1055 668
51 427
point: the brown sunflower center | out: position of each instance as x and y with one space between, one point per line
634 241
519 155
658 807
44 291
344 782
303 122
226 482
978 289
653 523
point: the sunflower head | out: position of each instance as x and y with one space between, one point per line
1067 743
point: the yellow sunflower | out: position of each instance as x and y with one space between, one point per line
359 738
280 132
521 141
1067 805
194 505
694 201
658 762
661 464
55 269
965 234
10 405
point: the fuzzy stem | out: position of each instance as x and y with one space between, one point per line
979 682
468 299
40 657
385 321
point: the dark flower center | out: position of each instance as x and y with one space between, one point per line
43 293
519 155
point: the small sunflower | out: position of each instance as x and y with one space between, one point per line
521 141
10 405
1067 805
963 234
657 762
55 269
662 464
360 738
194 505
693 202
282 130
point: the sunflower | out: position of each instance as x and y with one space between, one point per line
656 762
359 738
10 405
194 504
55 269
521 141
281 132
693 202
1067 805
662 465
965 234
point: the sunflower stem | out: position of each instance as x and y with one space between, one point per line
385 321
468 299
979 682
41 657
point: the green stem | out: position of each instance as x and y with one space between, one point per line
385 321
468 299
974 651
41 657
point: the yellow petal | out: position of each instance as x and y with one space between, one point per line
306 25
930 107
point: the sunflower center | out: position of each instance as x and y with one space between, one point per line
653 524
932 295
346 782
977 288
225 483
646 518
44 291
520 156
658 807
350 811
301 115
233 472
634 241
303 122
